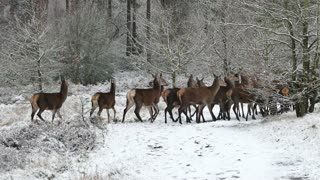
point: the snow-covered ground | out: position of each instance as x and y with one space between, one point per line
276 147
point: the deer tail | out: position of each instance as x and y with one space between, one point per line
130 96
164 95
94 100
180 94
33 100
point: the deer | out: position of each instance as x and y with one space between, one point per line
144 97
171 99
104 101
202 96
225 97
248 91
49 101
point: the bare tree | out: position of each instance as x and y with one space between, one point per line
30 51
172 54
290 25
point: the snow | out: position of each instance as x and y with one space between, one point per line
276 147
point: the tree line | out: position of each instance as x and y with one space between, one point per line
89 40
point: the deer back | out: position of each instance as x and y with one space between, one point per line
50 101
148 96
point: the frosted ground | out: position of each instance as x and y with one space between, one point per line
276 147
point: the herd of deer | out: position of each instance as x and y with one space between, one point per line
234 89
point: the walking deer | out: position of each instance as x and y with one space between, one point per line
171 99
49 101
225 97
104 101
202 96
144 97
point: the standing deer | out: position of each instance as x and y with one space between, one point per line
49 101
202 96
104 101
144 97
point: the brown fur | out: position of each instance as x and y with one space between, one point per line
104 101
49 101
165 94
284 91
202 96
224 99
144 97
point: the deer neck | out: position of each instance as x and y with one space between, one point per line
215 86
161 88
157 87
229 84
113 88
64 90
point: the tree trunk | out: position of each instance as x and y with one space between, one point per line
67 6
134 28
316 62
173 76
224 31
110 9
317 58
148 30
129 49
36 48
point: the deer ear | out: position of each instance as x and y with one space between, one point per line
197 79
202 79
62 78
214 75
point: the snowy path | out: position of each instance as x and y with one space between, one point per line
197 151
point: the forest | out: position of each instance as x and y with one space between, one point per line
160 55
89 40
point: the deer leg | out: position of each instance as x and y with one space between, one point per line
156 109
53 114
99 113
190 114
210 109
199 113
165 114
253 108
39 114
203 116
180 110
137 111
92 110
242 110
59 114
235 108
249 106
222 110
128 106
194 113
108 115
114 113
151 113
168 109
185 112
34 110
228 108
249 109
